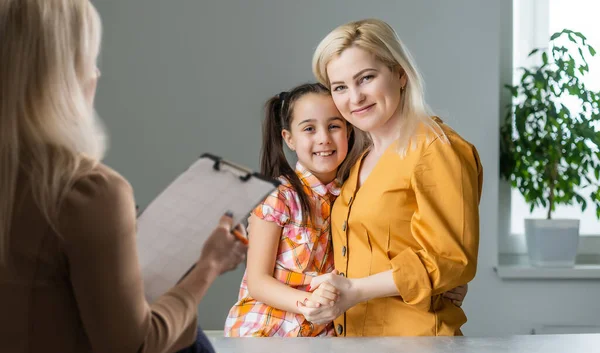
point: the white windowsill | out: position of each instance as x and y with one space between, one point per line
517 266
516 244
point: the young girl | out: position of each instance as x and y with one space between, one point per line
290 240
290 230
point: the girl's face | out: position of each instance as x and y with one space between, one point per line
318 135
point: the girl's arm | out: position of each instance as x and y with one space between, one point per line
457 295
262 253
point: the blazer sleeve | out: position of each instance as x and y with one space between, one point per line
98 224
447 183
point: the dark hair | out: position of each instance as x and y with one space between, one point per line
279 115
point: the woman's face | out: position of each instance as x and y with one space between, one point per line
365 90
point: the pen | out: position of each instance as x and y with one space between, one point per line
239 236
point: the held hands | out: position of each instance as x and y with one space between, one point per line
332 296
324 295
222 250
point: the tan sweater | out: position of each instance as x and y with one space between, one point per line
83 292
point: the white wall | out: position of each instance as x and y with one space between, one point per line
188 76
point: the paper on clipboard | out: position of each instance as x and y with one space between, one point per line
173 228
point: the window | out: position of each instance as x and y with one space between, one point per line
533 23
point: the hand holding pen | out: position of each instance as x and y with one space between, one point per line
239 231
223 248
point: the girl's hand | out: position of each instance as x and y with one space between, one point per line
457 295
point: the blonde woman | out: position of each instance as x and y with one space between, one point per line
69 277
405 227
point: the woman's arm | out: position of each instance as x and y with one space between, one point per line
98 225
358 290
447 183
262 253
382 285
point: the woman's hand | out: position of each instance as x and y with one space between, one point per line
222 250
322 313
457 295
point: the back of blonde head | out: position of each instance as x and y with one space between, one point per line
48 131
379 39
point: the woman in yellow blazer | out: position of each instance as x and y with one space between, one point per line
406 226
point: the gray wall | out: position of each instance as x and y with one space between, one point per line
184 77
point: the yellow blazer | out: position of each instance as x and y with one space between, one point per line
419 217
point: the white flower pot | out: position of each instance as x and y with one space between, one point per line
552 242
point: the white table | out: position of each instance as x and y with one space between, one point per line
588 343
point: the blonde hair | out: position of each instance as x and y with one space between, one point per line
48 130
379 39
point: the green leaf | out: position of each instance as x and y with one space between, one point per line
513 90
545 58
592 50
578 34
533 52
581 201
581 53
555 35
585 68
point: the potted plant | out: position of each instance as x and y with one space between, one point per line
549 152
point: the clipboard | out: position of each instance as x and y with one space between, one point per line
172 230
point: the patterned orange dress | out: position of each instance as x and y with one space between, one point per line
305 250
